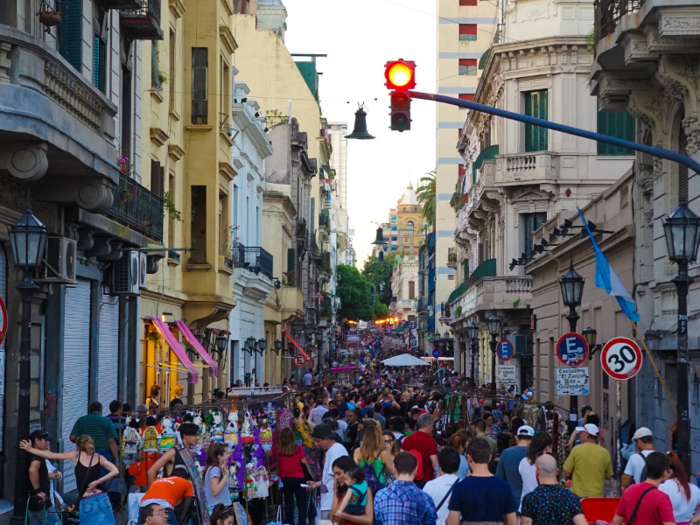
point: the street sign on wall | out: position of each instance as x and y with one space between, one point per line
572 381
572 349
299 361
506 374
505 350
621 358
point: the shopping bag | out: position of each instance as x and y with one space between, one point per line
278 521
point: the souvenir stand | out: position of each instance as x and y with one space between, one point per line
246 421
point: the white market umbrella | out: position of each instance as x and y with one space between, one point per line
404 360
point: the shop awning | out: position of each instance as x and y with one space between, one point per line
198 347
175 347
286 334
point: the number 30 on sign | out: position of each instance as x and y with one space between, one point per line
621 358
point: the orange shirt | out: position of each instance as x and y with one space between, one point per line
171 489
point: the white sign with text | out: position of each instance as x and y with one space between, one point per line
573 381
506 374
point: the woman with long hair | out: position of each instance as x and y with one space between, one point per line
392 446
222 515
684 496
540 444
291 460
373 453
342 466
94 503
216 476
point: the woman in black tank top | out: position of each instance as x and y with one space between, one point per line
95 508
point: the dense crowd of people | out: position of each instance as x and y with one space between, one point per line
383 448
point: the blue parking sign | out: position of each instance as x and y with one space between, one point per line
436 353
504 350
572 349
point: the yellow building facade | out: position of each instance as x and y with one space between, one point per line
188 79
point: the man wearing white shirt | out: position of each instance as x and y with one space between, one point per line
440 489
323 438
644 440
316 414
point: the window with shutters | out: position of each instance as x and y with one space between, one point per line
465 269
172 194
171 68
619 124
411 289
198 225
533 222
467 32
70 31
536 106
125 115
467 66
157 178
155 66
200 71
290 275
99 66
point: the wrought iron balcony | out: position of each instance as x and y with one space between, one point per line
142 23
137 208
326 262
252 259
609 12
324 220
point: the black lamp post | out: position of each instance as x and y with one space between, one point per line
28 238
473 333
590 335
277 346
494 325
221 343
261 345
319 344
572 292
681 229
571 284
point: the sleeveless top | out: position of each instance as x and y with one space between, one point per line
84 475
378 466
179 468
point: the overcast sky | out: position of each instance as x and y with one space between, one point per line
359 36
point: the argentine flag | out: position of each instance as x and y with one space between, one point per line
607 279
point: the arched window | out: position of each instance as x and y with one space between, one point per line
409 225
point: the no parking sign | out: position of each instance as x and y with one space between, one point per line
572 349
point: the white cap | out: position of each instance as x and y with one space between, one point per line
526 430
590 428
641 432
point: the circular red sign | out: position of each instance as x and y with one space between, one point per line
3 322
572 349
299 361
505 350
621 358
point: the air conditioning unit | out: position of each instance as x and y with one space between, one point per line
125 274
143 267
61 260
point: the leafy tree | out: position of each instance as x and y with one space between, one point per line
426 196
381 311
378 273
355 302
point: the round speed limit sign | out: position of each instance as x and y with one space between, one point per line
621 358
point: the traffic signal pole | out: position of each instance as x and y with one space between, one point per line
651 150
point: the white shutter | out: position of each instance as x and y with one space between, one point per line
109 351
3 294
76 368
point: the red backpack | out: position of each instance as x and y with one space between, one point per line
419 468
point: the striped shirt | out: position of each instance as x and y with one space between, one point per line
98 427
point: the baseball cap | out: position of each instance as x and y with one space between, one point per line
526 430
40 434
322 431
641 432
590 428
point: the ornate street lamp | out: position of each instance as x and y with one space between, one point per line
261 345
571 284
28 239
221 343
250 345
494 325
201 339
473 334
681 229
590 335
277 346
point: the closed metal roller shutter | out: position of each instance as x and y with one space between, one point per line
3 294
107 383
76 369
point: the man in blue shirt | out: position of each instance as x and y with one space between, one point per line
510 460
481 497
402 502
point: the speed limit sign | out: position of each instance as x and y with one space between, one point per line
621 358
299 361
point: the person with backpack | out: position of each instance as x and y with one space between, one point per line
588 465
440 489
373 457
634 471
643 503
424 447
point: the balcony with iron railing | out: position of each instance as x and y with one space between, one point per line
142 23
609 13
137 208
252 259
324 221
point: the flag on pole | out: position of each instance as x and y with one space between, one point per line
327 185
607 279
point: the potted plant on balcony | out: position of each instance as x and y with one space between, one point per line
48 16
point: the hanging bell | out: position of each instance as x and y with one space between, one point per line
360 131
380 237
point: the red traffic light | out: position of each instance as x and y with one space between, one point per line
400 74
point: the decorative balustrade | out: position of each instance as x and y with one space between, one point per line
252 259
521 163
527 168
136 207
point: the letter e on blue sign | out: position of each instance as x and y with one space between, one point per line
572 349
